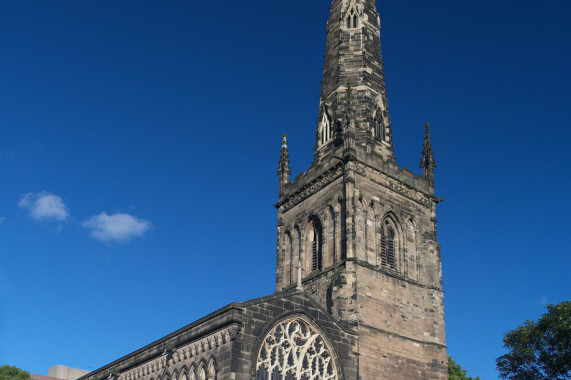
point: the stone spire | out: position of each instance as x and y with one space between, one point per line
353 56
284 170
427 162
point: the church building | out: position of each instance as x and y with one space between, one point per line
358 278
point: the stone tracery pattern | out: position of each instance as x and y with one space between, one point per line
293 350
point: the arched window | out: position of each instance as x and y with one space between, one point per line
333 226
325 131
352 18
211 369
389 244
201 372
316 244
379 130
289 258
192 373
295 350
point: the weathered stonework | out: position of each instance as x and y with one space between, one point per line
226 344
358 275
357 232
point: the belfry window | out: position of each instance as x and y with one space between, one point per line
352 18
316 245
388 246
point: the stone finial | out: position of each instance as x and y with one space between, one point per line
427 162
284 171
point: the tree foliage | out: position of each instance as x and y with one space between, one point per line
456 372
13 373
539 350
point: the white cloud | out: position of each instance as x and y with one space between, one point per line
2 219
116 227
44 207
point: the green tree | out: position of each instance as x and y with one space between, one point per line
456 372
539 350
13 373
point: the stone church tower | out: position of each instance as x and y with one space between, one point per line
358 280
355 231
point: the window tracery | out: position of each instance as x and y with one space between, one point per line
325 132
352 17
293 350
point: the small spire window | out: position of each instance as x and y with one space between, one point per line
379 128
325 132
352 18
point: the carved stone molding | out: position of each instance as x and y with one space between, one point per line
312 188
394 185
190 351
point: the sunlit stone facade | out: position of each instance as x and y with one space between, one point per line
358 280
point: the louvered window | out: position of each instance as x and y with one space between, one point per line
388 246
391 249
316 241
316 249
383 250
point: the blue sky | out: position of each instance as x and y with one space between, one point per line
139 143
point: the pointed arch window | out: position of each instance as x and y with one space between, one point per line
289 258
295 350
352 18
316 245
389 245
211 369
325 131
379 128
202 372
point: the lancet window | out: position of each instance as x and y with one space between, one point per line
352 18
389 244
379 128
201 372
294 350
316 244
325 131
211 370
289 259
